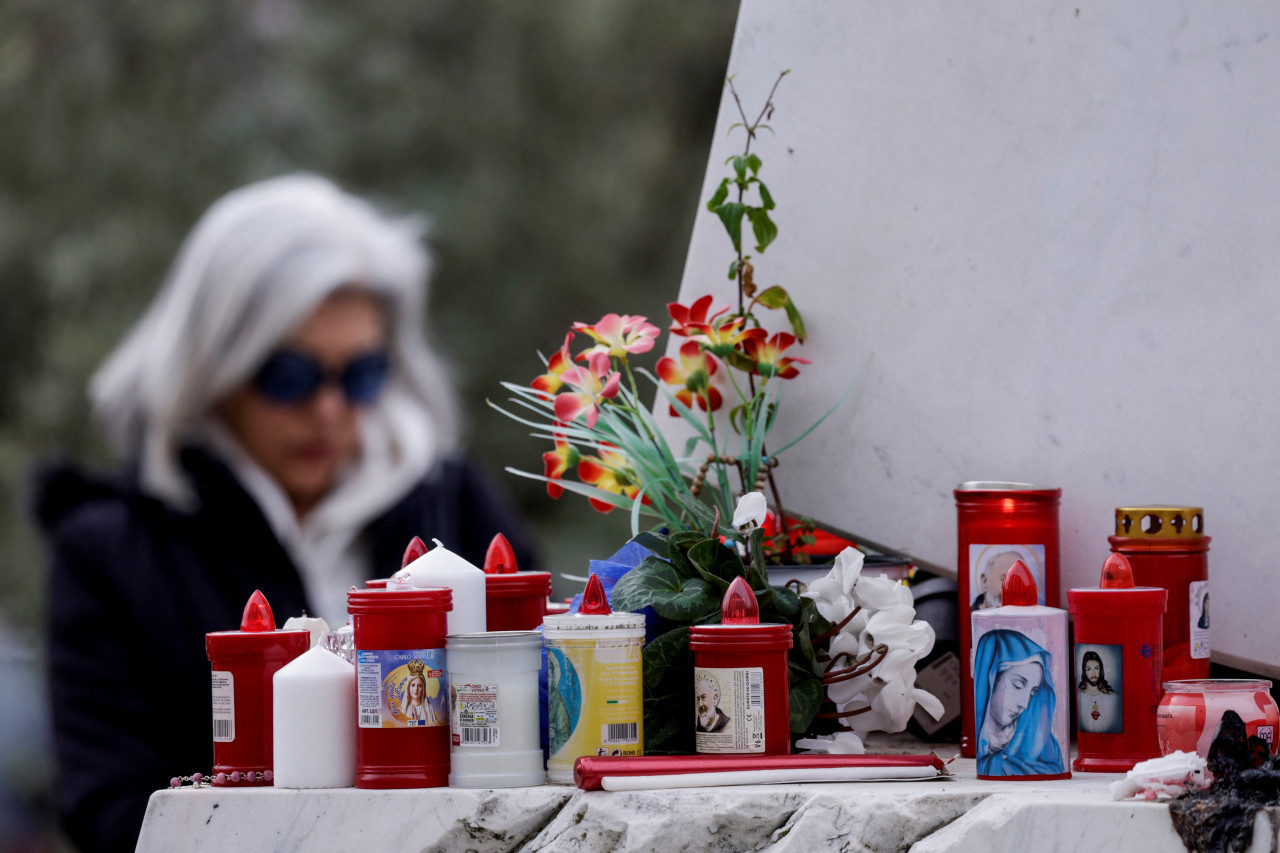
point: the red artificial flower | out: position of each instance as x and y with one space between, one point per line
551 381
767 356
593 383
557 462
619 334
691 320
693 372
609 472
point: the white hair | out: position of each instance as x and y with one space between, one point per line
255 266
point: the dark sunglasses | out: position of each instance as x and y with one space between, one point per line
289 376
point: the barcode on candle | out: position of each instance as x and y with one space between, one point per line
611 733
222 730
755 688
370 719
482 735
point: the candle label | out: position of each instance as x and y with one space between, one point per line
988 564
401 689
475 714
224 707
1100 689
729 704
1199 594
593 699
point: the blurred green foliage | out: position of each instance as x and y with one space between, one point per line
558 148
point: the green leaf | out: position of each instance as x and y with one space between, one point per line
754 163
786 600
797 322
657 584
655 542
731 214
806 699
733 268
775 296
738 361
762 226
765 198
740 167
718 559
722 192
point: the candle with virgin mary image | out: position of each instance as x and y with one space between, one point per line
1020 673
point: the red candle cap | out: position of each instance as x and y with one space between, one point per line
500 559
1117 573
594 601
257 616
739 606
417 548
1019 586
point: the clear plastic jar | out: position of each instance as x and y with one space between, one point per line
1190 711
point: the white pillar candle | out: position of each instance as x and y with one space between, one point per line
314 624
442 567
314 720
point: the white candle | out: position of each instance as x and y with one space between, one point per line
493 697
442 567
314 720
317 626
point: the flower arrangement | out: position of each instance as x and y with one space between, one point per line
856 641
589 406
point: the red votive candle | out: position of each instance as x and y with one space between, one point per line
514 600
402 687
741 689
998 523
1118 651
243 664
1167 548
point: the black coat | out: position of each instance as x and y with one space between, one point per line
135 586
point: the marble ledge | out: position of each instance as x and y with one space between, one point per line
945 816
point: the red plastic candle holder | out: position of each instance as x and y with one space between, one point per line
1167 548
243 663
402 686
741 691
998 523
1117 656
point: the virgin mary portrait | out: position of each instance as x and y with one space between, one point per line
1013 702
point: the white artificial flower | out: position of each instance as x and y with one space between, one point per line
840 743
750 511
847 569
881 593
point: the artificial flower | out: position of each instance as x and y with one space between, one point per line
768 358
593 383
693 371
750 510
692 320
619 334
551 381
724 337
609 472
840 743
557 462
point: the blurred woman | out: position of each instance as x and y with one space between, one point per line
283 426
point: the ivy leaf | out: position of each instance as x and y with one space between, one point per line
731 214
806 699
762 226
722 193
717 559
665 656
643 585
655 542
787 602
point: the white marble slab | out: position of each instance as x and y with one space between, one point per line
947 816
1037 239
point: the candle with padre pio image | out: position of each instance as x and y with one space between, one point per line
1020 683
